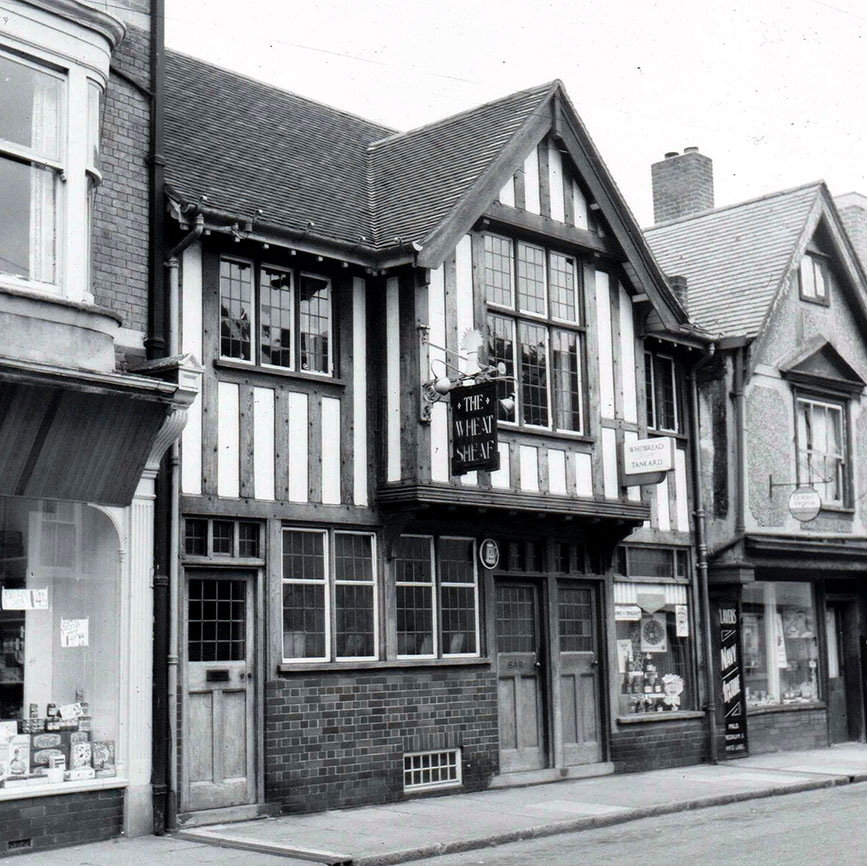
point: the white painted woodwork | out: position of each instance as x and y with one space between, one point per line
555 183
263 443
464 300
330 451
532 196
579 206
663 511
682 514
583 474
557 471
298 447
191 301
471 479
392 378
627 357
609 463
439 427
191 449
501 479
359 391
528 457
632 493
228 441
604 349
507 193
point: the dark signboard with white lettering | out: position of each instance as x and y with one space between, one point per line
474 428
734 705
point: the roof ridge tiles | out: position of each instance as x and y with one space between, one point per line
817 184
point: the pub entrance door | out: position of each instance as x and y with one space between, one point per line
219 741
844 671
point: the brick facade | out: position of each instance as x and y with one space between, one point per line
787 730
121 233
337 740
658 745
40 823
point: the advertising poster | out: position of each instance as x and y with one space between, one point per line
733 700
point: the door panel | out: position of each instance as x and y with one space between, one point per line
837 715
219 734
520 684
579 681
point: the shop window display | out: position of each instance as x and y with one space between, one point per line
781 649
654 660
59 643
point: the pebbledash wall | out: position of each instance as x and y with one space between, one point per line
337 740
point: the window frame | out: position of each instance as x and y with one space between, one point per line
515 317
435 619
330 583
820 262
256 358
842 406
475 585
653 395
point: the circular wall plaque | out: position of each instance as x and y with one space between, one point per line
805 503
489 553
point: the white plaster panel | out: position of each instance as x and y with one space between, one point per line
609 463
579 206
663 511
263 443
464 299
191 302
555 183
392 378
529 463
507 193
682 514
583 474
228 441
557 471
632 493
298 447
532 197
330 451
627 357
191 449
604 349
501 479
359 391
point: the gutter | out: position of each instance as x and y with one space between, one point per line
701 545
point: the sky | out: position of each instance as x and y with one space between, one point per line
774 91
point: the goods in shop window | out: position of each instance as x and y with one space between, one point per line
79 755
653 633
102 756
672 689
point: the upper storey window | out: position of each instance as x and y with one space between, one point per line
815 279
822 451
275 317
536 326
31 167
662 390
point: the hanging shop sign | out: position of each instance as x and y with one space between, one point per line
474 428
645 461
489 553
734 704
805 503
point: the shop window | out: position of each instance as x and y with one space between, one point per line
815 279
822 435
330 609
59 644
222 538
536 327
780 644
662 393
275 317
655 666
437 600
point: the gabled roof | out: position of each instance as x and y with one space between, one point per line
819 362
735 258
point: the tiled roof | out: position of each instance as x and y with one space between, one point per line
734 257
417 177
247 145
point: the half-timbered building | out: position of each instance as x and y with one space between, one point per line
359 618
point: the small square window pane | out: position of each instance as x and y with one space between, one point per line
276 313
196 537
223 537
315 323
236 299
498 271
531 279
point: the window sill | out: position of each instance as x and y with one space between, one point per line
786 708
307 667
650 718
673 434
511 427
47 790
257 370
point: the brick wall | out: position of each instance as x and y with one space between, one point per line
63 819
333 741
120 220
657 745
787 731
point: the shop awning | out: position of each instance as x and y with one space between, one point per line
75 435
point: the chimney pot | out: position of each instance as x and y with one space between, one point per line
690 150
672 153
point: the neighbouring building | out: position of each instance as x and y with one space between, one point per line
778 283
82 435
357 623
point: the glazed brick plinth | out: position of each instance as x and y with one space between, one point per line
334 740
787 731
61 819
658 745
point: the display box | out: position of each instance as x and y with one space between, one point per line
79 755
102 758
15 757
40 759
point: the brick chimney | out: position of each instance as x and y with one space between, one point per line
680 288
853 211
682 185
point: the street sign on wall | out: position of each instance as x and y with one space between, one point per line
474 428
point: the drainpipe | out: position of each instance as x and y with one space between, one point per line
701 545
740 469
172 265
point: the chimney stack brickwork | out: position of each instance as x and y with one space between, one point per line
853 211
682 185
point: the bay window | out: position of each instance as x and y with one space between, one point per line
275 317
822 436
536 328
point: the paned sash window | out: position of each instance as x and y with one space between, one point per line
822 448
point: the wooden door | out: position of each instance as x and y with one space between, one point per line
579 674
219 713
845 701
520 677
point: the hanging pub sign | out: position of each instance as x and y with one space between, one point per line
474 428
734 705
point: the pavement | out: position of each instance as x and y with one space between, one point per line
427 826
